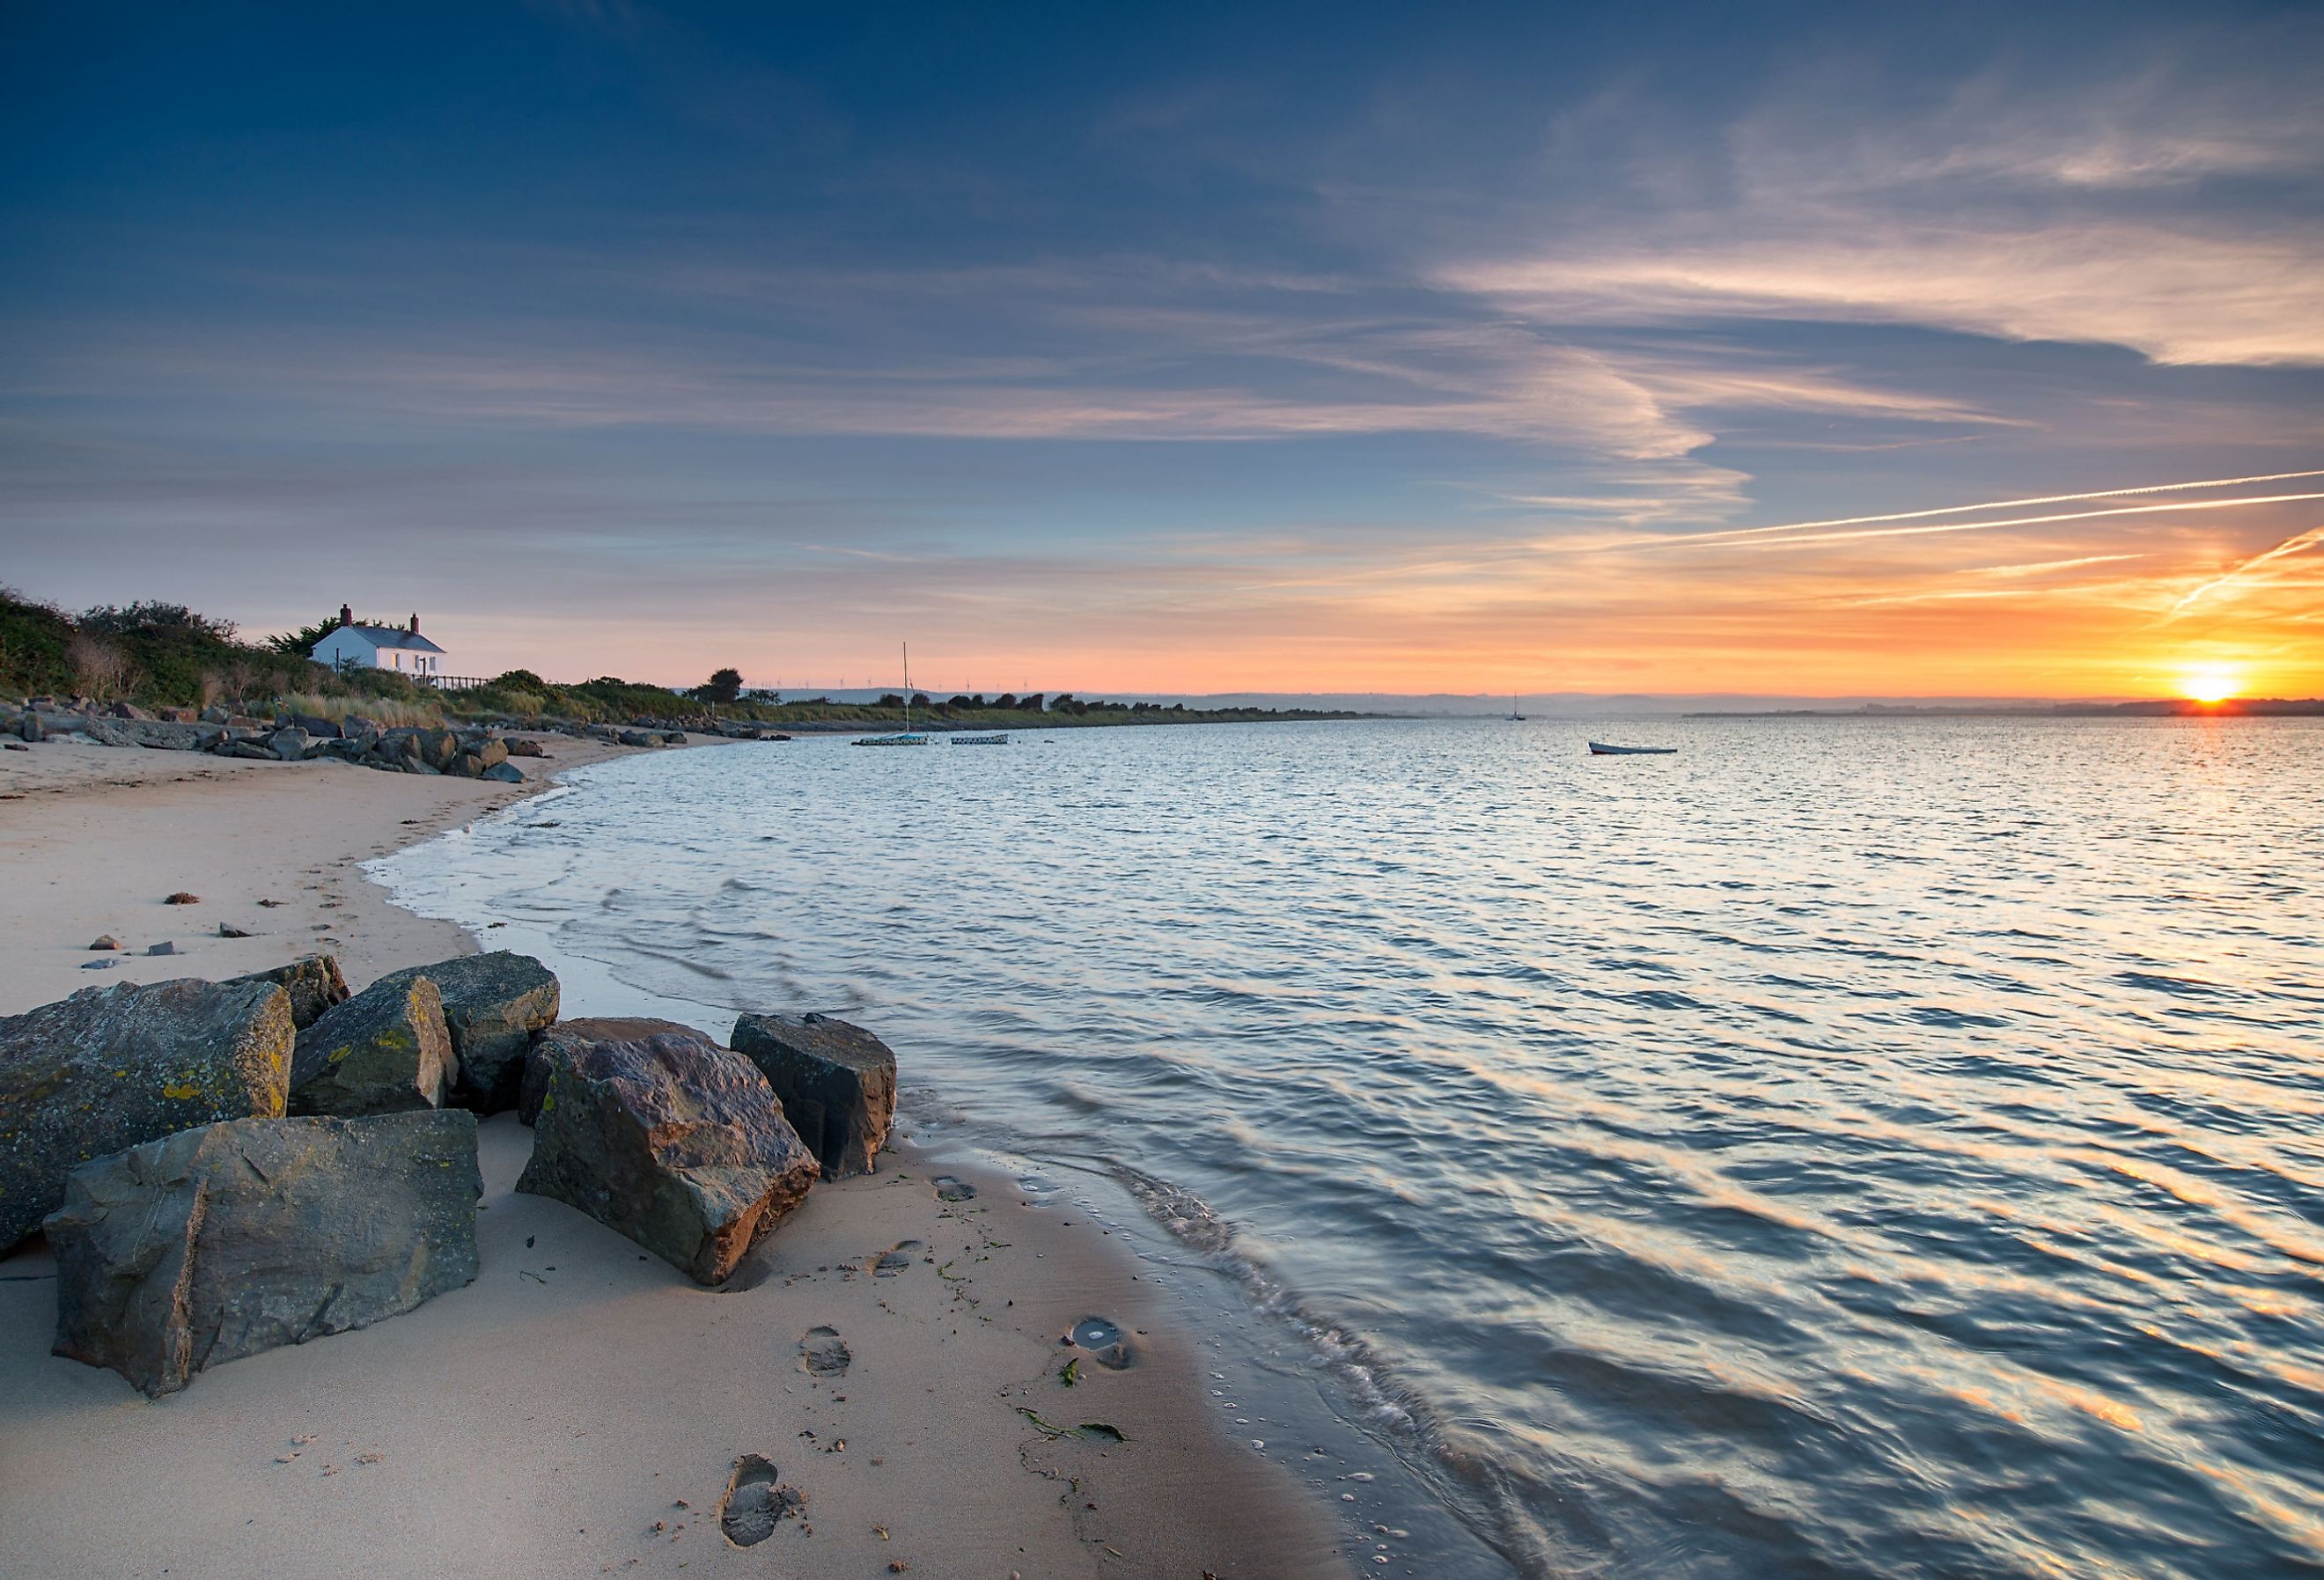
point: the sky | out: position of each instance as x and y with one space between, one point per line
1906 350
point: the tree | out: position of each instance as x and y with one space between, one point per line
102 669
300 643
724 686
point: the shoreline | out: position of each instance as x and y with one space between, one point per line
548 1416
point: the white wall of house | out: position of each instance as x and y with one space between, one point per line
349 646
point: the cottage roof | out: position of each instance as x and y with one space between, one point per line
385 636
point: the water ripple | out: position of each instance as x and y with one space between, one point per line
1847 1147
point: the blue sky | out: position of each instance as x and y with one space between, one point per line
1334 347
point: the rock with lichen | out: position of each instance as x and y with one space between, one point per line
115 1067
384 1051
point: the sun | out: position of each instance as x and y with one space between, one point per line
2209 682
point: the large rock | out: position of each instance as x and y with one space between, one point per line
218 1242
492 1004
113 1066
672 1141
382 1051
313 983
163 735
559 1043
287 744
837 1083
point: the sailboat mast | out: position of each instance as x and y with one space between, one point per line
907 689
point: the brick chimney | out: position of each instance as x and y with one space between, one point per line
415 625
346 614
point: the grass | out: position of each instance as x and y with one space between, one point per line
392 711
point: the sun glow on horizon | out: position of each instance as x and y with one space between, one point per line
2211 682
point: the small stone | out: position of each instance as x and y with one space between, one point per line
228 930
182 898
105 941
164 948
98 965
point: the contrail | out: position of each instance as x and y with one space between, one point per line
1739 540
2291 545
1954 509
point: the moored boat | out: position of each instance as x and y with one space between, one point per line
906 738
1600 749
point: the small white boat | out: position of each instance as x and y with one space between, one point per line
999 738
1600 749
906 738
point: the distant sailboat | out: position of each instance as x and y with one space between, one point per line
1515 718
906 738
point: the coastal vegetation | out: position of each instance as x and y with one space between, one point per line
157 655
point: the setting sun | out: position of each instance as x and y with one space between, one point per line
2211 683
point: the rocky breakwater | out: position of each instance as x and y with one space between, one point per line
468 754
224 1168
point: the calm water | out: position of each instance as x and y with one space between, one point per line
1845 1147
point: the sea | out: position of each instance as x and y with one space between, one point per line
1864 1145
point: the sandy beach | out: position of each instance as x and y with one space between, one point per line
578 1410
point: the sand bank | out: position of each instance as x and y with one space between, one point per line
580 1409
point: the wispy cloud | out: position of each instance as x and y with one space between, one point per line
2299 543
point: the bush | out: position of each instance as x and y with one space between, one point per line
113 620
34 640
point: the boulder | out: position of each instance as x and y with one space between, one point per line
320 729
289 744
559 1042
675 1143
492 1004
519 746
218 714
161 736
382 1051
638 738
178 716
113 1066
106 732
128 711
30 729
489 751
436 748
218 1242
468 766
837 1083
313 983
504 773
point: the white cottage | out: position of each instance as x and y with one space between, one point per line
380 647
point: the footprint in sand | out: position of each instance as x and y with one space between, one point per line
895 1259
1105 1341
951 1189
754 1504
824 1353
